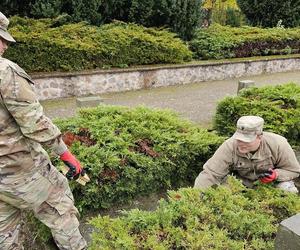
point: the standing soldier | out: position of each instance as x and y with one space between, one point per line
252 155
27 178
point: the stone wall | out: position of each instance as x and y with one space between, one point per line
58 85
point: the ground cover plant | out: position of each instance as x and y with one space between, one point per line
46 45
218 42
227 217
278 105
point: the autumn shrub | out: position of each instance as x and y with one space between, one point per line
278 105
42 45
227 217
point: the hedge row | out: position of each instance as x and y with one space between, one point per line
278 105
228 217
218 42
51 45
44 47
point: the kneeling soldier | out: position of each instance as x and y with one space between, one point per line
253 155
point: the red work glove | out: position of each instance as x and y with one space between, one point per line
269 176
73 164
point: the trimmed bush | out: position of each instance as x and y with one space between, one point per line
42 47
228 217
131 152
278 105
218 42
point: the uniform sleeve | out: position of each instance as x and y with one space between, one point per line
21 102
287 167
217 167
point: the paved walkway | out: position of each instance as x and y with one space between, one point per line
193 101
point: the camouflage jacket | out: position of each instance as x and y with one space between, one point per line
24 129
273 152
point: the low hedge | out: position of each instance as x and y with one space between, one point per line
131 152
228 217
278 105
43 45
218 42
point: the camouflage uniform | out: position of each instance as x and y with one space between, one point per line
274 151
27 178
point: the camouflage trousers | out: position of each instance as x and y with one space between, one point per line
46 192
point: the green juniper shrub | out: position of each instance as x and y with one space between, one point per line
130 152
43 47
227 217
218 42
278 105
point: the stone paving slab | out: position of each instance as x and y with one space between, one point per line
288 235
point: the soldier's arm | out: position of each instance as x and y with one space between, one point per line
217 167
21 102
287 165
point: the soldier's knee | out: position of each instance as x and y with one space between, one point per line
288 186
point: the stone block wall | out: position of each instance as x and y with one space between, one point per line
59 85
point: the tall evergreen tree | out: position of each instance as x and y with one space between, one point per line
46 8
268 13
86 10
181 16
16 7
115 9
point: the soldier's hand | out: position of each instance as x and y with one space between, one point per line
75 169
269 176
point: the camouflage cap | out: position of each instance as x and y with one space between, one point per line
4 22
248 127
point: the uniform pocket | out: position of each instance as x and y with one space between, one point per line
243 168
263 165
242 165
60 196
